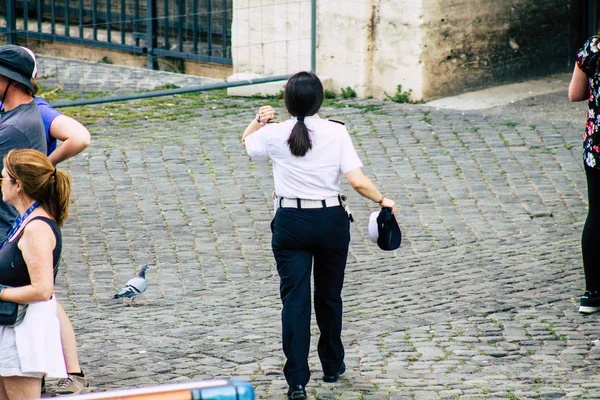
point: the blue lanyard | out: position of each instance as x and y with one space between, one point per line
18 221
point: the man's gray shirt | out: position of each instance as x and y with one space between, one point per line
20 128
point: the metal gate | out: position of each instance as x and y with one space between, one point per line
198 30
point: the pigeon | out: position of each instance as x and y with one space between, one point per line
134 287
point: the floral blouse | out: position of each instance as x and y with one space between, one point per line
587 58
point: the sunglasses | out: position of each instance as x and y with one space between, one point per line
2 179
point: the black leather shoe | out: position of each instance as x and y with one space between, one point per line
334 378
296 392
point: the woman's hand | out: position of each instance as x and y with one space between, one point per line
388 203
265 114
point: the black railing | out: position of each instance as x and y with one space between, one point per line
197 30
591 18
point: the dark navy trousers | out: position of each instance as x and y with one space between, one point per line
591 231
301 237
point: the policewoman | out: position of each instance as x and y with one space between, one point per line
311 225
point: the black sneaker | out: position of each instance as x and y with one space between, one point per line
590 302
296 392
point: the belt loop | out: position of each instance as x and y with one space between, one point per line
324 203
280 200
299 203
340 200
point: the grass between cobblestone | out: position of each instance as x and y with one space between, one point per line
116 122
478 302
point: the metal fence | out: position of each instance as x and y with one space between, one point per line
198 30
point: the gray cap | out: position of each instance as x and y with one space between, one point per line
18 63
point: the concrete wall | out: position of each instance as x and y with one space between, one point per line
396 39
270 38
469 44
95 54
433 47
353 38
81 77
344 45
367 45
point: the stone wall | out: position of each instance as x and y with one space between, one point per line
343 43
394 47
433 47
270 38
81 77
469 44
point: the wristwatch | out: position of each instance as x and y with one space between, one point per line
258 119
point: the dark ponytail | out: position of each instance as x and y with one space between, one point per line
299 140
303 98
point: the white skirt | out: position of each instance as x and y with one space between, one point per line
33 348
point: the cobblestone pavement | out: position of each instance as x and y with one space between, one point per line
480 302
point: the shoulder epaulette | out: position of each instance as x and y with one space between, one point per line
337 121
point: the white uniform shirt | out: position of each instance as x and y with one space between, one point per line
315 176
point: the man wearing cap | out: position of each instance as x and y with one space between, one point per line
21 125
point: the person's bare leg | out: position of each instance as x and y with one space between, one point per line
22 388
3 395
69 343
